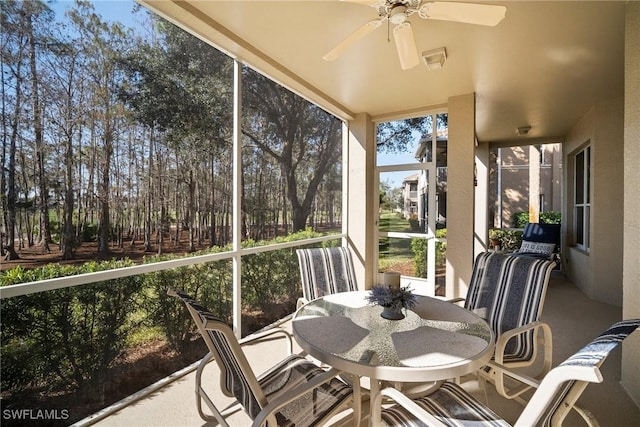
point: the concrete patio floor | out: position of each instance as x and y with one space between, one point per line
574 320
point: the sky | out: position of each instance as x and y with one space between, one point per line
122 11
110 10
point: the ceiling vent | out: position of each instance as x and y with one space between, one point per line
435 58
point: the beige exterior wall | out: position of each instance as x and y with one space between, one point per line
631 266
460 197
598 272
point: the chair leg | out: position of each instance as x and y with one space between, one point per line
217 415
482 383
201 396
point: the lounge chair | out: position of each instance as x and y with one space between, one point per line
294 392
553 399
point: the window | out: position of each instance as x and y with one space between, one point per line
581 197
411 162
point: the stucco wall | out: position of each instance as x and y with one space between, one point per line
460 198
607 213
599 272
631 276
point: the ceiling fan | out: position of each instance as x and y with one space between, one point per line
397 12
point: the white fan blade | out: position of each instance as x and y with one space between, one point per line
406 46
352 38
469 13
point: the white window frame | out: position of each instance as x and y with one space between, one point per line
581 209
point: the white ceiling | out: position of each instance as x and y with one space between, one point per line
543 66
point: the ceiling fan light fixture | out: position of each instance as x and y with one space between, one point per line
406 46
434 59
397 15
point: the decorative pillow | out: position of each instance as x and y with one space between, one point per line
537 247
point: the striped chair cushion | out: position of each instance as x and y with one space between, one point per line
311 407
509 292
451 405
326 271
593 354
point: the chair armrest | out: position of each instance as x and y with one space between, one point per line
274 405
498 369
548 388
530 381
259 336
503 339
408 404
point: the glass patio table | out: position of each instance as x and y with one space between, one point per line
437 340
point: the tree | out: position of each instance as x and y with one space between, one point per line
180 88
104 44
34 11
67 94
14 53
304 140
394 136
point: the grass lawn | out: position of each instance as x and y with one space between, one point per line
394 251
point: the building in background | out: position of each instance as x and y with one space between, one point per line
524 178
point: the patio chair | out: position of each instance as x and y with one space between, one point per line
509 293
554 398
325 271
540 241
294 392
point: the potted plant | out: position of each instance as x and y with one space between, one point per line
392 299
495 237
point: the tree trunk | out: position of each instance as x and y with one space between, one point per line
192 187
45 227
105 225
68 236
12 197
147 218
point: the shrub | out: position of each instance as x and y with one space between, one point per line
521 219
66 337
419 248
414 223
550 217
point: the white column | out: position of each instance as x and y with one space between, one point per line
631 249
362 218
481 212
460 194
534 183
237 197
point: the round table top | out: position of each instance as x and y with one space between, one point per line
436 340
